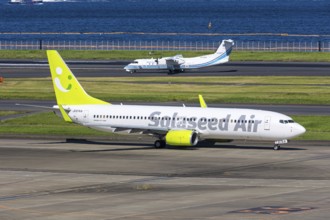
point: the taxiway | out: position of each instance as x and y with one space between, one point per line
34 69
53 179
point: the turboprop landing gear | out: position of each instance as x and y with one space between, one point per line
159 144
277 147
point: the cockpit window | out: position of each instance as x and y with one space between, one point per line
286 121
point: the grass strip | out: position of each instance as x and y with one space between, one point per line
131 55
51 125
46 123
6 113
261 90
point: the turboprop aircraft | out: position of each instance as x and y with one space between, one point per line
179 126
179 64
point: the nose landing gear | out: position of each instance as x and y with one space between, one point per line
277 144
277 147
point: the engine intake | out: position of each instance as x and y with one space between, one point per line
181 138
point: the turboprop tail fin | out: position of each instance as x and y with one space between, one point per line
225 47
68 90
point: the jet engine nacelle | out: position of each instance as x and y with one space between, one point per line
181 138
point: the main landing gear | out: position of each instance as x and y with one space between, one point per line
173 71
160 144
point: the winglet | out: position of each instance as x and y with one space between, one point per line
202 102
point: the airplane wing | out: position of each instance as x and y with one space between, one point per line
132 129
176 60
36 106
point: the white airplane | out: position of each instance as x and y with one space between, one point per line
179 64
179 126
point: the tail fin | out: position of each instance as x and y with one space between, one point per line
225 47
68 90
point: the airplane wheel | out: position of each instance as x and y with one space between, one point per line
277 147
160 144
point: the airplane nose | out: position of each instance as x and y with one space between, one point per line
299 130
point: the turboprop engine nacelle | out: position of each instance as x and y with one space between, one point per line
181 138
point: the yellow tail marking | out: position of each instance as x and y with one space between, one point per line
68 90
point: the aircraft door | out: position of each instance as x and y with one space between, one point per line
80 116
267 123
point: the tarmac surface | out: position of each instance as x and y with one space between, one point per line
29 69
107 179
53 179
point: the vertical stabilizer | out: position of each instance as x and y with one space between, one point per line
225 47
68 90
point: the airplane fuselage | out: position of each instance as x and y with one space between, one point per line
183 63
178 63
209 123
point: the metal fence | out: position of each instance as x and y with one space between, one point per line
304 46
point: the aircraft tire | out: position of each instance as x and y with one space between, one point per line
277 147
159 144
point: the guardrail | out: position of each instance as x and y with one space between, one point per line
304 46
